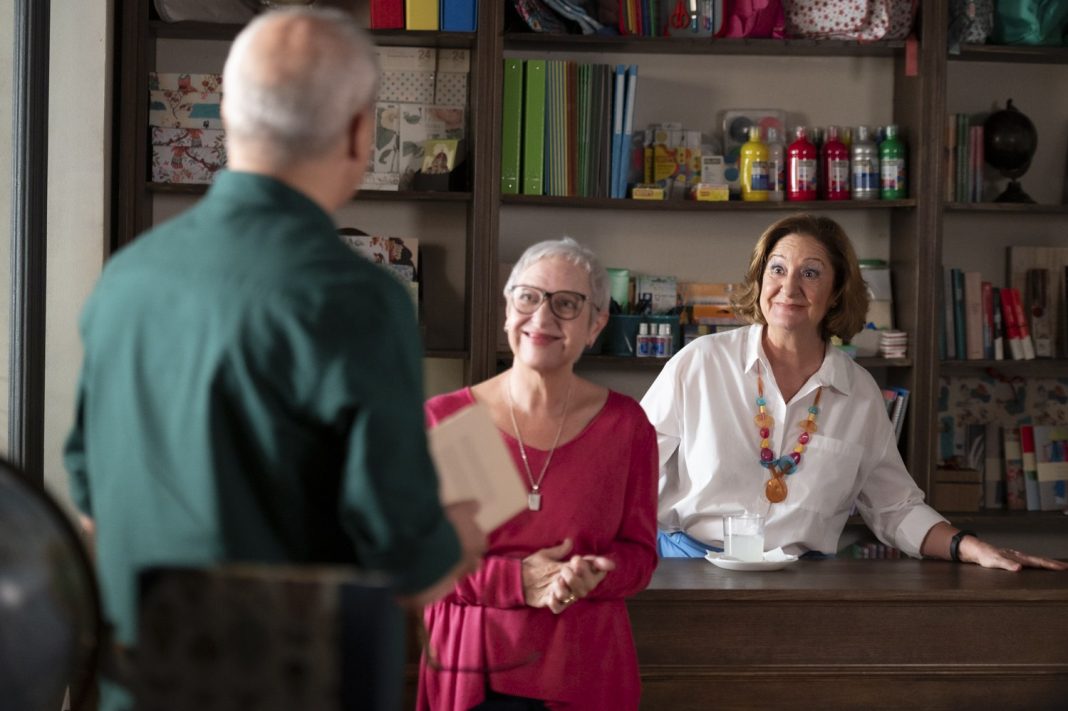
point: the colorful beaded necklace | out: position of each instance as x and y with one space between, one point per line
775 489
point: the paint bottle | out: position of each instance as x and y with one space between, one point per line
753 167
801 167
864 166
834 163
644 346
776 166
892 160
663 341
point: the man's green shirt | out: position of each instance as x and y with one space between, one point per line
252 391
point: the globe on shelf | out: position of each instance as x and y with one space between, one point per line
1009 143
50 621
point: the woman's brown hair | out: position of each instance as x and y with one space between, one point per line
849 301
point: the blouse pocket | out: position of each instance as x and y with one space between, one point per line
825 479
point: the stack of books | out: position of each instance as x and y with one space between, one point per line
893 344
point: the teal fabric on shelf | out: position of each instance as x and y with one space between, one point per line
1030 22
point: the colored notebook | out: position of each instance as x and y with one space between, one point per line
459 15
421 14
511 126
534 127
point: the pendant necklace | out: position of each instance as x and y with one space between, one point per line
534 497
775 489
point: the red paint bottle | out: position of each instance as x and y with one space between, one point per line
801 167
834 160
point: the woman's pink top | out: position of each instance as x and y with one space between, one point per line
599 491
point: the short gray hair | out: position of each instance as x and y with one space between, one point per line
298 105
573 252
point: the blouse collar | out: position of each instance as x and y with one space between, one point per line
836 372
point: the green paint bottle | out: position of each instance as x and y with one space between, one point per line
892 165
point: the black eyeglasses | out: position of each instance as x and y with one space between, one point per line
564 304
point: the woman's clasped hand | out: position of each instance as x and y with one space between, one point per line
552 579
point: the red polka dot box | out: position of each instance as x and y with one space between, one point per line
865 20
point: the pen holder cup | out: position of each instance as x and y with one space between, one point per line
622 334
598 345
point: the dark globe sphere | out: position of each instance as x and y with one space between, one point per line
50 623
1009 141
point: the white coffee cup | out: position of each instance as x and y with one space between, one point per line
743 536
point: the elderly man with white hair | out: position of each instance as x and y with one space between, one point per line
251 388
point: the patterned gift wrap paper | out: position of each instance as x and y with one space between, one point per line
192 137
173 109
185 83
186 164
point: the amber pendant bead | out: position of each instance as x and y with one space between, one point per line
775 490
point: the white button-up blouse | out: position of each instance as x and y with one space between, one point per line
702 405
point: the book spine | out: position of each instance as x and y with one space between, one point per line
459 15
951 158
511 126
628 128
973 315
1030 467
900 408
949 330
1015 489
1026 345
958 313
993 477
988 320
999 326
1012 329
387 14
533 163
421 14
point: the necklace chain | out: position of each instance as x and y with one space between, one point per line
534 497
775 489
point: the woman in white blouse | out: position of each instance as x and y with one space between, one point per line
772 419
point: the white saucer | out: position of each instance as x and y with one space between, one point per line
773 560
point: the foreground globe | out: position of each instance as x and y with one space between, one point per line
49 614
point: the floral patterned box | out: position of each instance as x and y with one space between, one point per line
175 109
185 83
187 155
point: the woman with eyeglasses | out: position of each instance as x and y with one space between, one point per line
543 623
773 419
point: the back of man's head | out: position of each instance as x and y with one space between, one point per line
294 80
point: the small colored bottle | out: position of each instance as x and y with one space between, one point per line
892 160
834 159
776 166
864 166
801 167
663 341
753 167
644 346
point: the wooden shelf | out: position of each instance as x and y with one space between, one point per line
1036 368
363 195
995 518
445 354
629 362
397 38
670 45
694 205
1011 53
1015 208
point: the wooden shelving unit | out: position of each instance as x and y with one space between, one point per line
918 104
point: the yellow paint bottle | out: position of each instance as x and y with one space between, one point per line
753 167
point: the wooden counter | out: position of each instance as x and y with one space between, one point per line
852 634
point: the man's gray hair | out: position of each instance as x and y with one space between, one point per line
296 106
571 251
